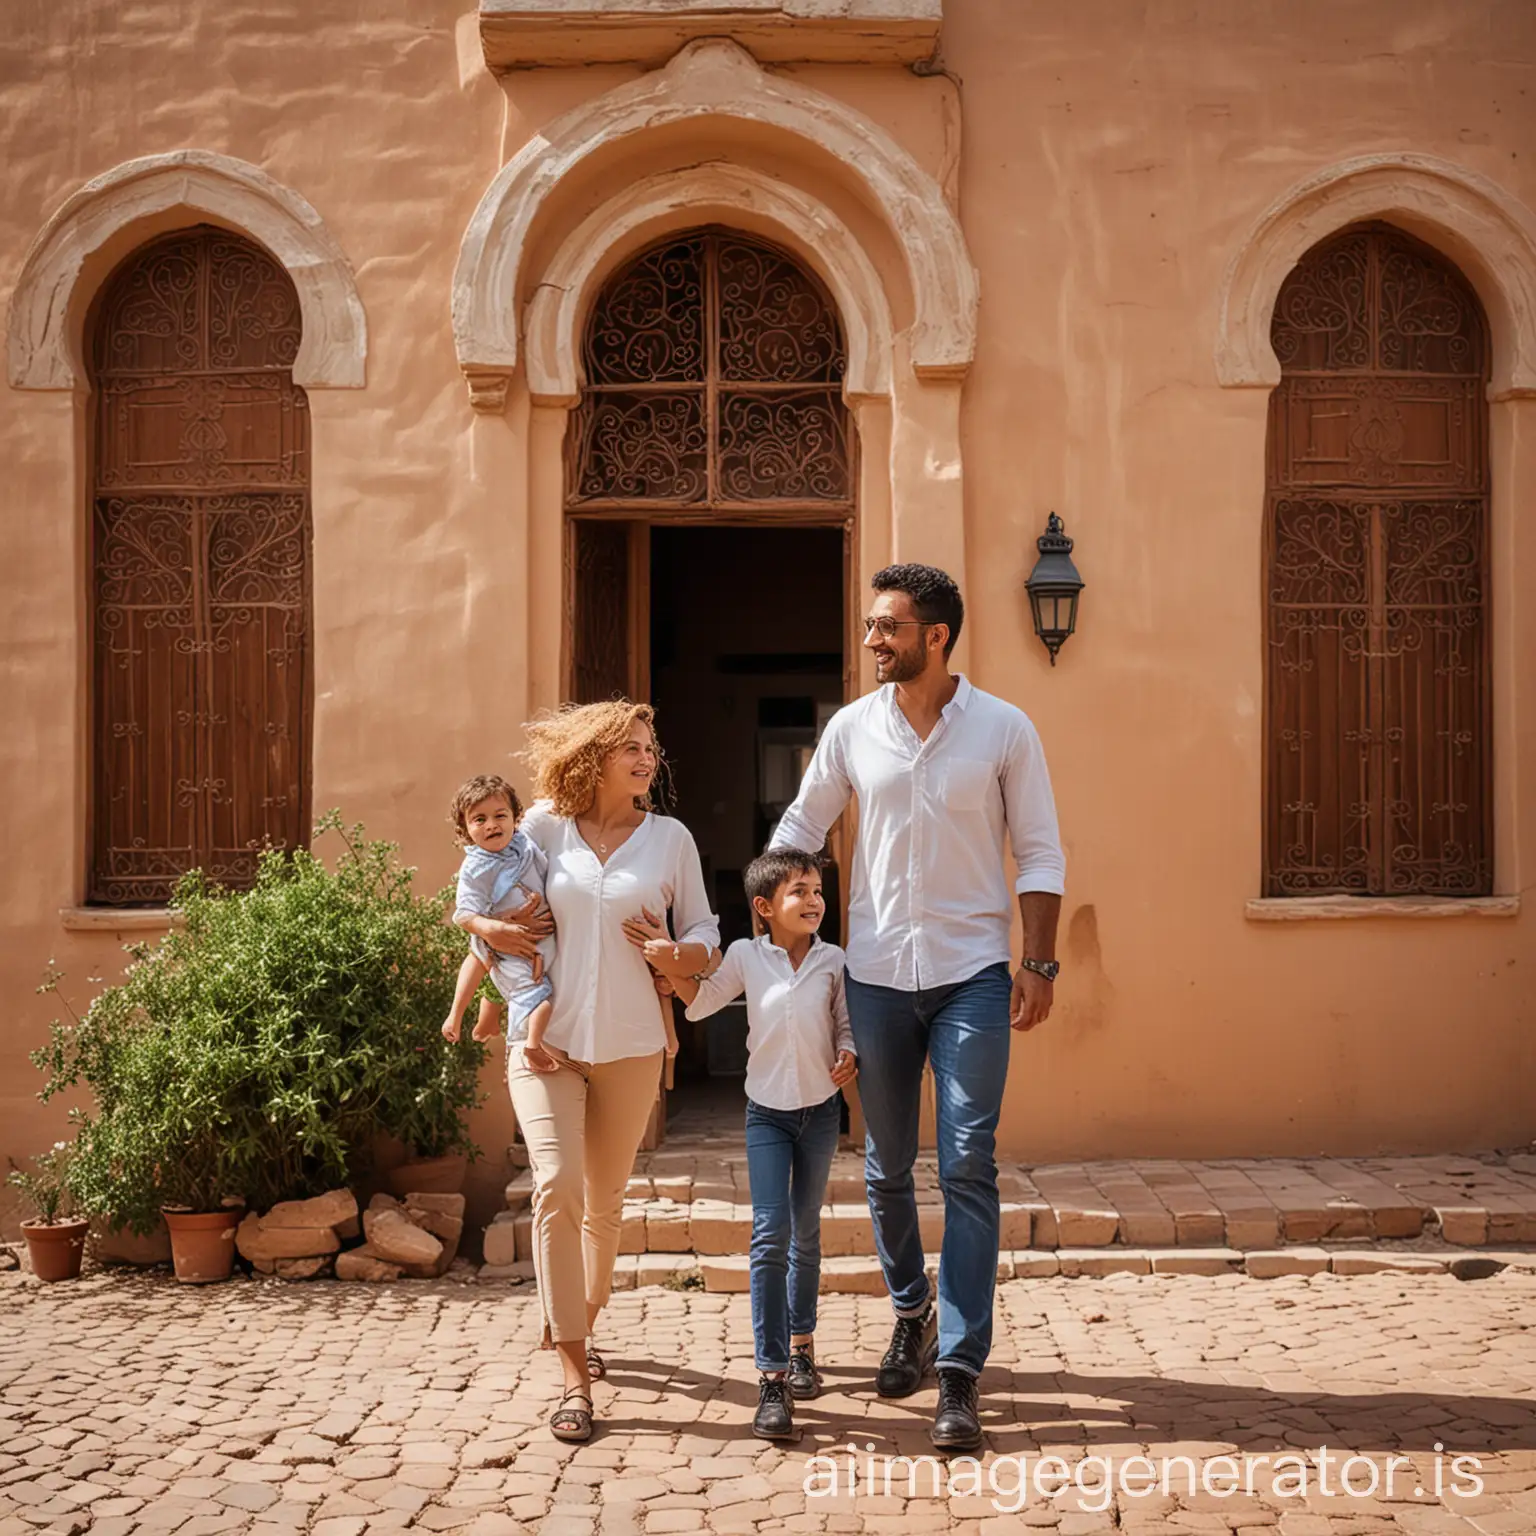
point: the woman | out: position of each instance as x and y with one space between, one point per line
583 1102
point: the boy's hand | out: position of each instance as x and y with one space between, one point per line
538 1057
845 1068
451 1030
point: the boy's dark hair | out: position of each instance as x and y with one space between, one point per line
472 791
935 597
768 871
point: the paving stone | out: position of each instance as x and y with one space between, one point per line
1267 1265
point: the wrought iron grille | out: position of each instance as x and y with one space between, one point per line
713 366
1377 677
200 556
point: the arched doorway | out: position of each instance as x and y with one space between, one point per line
200 585
1376 581
710 505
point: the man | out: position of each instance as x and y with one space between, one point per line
943 773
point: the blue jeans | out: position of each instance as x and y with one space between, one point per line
789 1155
963 1031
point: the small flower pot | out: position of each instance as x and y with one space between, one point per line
203 1243
55 1248
430 1176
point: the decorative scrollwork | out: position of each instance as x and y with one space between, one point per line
650 446
648 327
783 447
698 357
201 561
1376 573
775 326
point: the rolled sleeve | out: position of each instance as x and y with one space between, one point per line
824 794
477 883
1030 809
691 915
842 1027
726 984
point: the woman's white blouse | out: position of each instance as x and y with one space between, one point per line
606 1006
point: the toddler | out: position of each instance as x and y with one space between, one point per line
502 870
799 1054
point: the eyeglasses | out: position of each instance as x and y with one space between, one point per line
888 627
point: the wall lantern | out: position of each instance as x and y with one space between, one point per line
1053 587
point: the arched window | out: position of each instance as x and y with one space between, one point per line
200 538
713 370
1377 708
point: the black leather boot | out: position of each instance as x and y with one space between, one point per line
775 1417
803 1378
956 1426
914 1348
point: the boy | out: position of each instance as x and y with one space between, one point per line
502 868
799 1054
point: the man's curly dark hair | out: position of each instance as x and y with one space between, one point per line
935 597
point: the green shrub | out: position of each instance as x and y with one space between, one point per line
259 1051
46 1188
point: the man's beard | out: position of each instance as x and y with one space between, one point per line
906 665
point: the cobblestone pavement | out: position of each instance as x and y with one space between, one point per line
129 1404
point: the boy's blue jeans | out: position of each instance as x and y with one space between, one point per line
963 1031
789 1155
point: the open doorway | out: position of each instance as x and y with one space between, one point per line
747 629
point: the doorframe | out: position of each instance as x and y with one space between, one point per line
638 609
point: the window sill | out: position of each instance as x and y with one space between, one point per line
118 919
1292 909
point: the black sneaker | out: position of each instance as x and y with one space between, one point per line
914 1347
775 1417
956 1426
803 1377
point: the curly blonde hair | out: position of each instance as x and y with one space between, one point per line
566 751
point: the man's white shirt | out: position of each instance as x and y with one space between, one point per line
929 902
797 1020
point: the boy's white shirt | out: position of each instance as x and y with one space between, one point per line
797 1020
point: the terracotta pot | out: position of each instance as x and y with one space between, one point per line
203 1243
56 1250
430 1176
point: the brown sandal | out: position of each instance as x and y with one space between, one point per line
572 1423
597 1367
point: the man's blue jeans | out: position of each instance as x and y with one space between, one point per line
789 1156
963 1031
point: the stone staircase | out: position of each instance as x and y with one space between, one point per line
688 1217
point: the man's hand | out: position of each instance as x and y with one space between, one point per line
1030 1003
845 1068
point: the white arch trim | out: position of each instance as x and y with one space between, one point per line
1489 233
649 208
333 347
715 78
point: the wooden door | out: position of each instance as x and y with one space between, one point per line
1377 679
200 537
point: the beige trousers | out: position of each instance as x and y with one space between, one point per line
583 1125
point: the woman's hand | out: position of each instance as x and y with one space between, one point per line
518 931
845 1068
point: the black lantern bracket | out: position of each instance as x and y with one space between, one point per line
1053 587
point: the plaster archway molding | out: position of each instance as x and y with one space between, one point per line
1487 232
673 200
713 78
333 348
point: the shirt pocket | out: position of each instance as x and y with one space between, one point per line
966 782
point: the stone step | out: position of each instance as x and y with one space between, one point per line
698 1202
860 1275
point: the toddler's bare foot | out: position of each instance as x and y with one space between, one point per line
485 1029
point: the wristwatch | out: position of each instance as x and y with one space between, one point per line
1046 968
